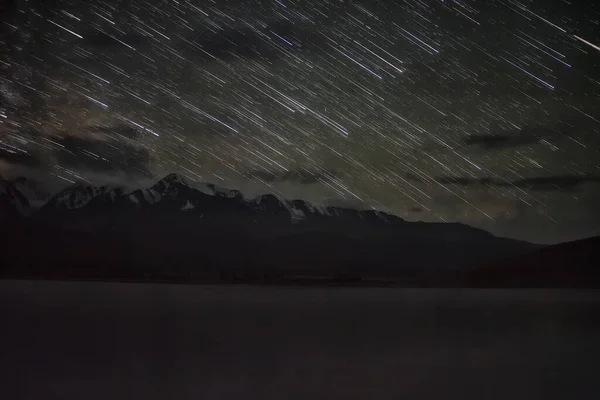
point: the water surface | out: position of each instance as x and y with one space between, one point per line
74 340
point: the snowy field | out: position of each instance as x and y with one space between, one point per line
66 340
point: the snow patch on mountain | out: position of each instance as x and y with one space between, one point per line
24 197
188 206
152 196
75 197
214 190
296 215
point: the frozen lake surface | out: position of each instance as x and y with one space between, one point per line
75 340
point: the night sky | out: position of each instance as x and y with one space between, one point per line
480 112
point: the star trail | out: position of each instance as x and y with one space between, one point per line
480 112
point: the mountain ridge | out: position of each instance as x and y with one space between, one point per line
174 229
79 195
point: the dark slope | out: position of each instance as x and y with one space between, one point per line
566 265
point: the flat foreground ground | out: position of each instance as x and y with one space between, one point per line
90 340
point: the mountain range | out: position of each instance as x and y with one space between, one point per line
176 231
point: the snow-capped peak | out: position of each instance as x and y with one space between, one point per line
172 179
80 195
188 206
174 193
169 183
213 190
23 194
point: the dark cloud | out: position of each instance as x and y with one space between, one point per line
300 176
103 156
207 45
516 138
527 135
566 182
463 181
19 158
542 183
493 142
229 45
246 42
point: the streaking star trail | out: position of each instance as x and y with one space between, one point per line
484 113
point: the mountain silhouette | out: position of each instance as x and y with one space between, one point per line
573 264
175 231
